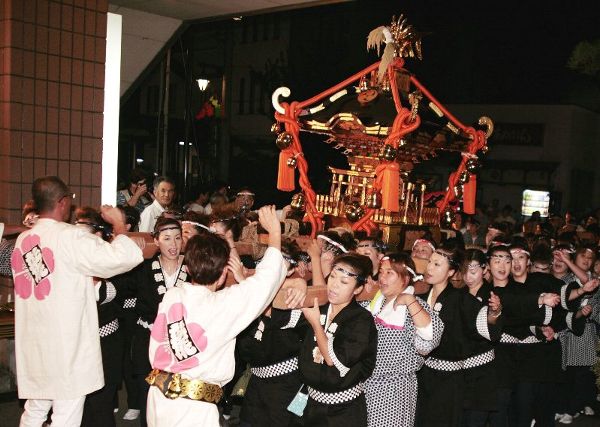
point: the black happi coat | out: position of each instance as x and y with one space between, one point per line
151 288
268 341
353 340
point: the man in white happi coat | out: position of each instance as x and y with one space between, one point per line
193 337
57 341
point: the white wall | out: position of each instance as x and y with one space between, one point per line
144 35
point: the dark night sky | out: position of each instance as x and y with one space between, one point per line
505 52
478 52
508 51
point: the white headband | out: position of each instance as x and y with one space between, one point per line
415 277
427 242
197 224
519 251
333 243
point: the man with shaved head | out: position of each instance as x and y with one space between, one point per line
56 321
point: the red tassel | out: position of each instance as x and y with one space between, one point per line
390 184
469 193
285 177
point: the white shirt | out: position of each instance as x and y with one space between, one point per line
57 344
195 329
149 216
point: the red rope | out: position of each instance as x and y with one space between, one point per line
477 143
291 126
290 119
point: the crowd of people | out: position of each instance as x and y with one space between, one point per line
494 324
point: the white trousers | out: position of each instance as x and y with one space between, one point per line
165 412
65 413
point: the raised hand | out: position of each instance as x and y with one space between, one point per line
313 249
551 300
591 285
237 268
312 314
268 219
370 285
141 190
494 303
404 299
586 310
296 289
548 332
115 217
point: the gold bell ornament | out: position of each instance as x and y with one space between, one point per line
354 212
388 153
298 201
284 140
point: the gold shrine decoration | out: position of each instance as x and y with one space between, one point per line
375 191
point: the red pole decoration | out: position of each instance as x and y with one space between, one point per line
291 125
285 176
469 190
390 183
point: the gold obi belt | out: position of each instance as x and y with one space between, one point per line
174 386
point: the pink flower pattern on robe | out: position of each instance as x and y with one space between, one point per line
32 265
178 341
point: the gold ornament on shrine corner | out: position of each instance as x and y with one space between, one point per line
284 140
488 123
